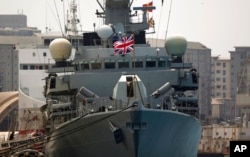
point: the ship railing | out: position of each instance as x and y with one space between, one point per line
105 104
62 112
189 106
62 109
136 19
102 104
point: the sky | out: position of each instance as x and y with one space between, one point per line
218 24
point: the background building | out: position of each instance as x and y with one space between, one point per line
222 102
8 68
199 55
240 82
14 34
13 21
221 71
16 25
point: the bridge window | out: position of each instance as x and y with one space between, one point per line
138 63
123 63
161 62
150 62
109 64
96 65
84 66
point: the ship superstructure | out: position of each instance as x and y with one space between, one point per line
119 96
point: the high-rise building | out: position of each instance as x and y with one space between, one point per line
222 102
221 82
240 81
199 55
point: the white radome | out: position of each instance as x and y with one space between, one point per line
176 45
104 31
60 49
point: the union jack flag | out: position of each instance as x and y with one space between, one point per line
124 46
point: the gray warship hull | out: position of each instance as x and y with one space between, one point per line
120 96
142 133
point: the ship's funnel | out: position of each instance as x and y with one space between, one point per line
60 49
176 46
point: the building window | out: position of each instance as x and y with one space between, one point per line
32 67
224 80
39 67
224 87
224 65
224 95
218 94
218 86
24 67
218 64
218 71
217 79
243 133
224 72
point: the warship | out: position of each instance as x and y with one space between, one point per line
119 96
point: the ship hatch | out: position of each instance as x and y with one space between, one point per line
52 83
130 86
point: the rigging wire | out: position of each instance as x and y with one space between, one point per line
158 28
168 18
53 13
168 21
58 18
140 92
80 15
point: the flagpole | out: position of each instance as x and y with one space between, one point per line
133 60
168 18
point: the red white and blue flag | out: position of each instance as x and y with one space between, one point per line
124 46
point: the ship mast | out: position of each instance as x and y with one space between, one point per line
72 20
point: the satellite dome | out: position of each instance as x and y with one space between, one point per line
60 49
176 46
104 31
